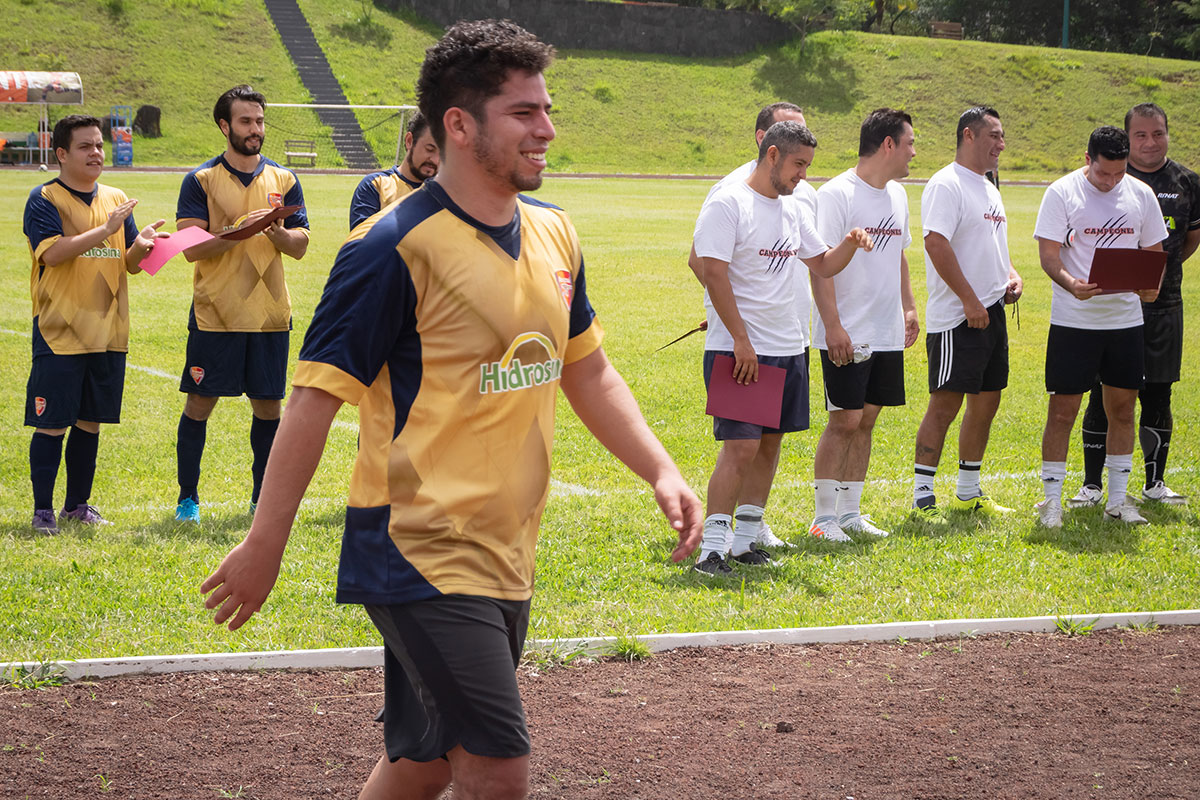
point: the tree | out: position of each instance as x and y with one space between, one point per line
1190 40
802 15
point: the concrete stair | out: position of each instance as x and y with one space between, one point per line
318 79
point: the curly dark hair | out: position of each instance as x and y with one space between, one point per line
470 63
1109 143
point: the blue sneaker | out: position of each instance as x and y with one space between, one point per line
188 510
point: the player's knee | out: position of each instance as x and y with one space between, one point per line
844 423
199 407
503 781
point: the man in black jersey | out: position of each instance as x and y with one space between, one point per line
1178 192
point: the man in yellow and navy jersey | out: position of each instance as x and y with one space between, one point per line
82 241
451 319
241 310
381 189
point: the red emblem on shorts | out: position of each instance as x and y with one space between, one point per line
197 374
275 200
565 285
39 405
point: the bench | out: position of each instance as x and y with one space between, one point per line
946 30
300 152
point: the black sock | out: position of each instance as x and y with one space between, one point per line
1095 448
189 449
1156 442
1095 438
262 436
45 454
81 466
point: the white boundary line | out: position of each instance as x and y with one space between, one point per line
360 657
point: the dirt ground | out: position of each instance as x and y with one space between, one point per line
1113 714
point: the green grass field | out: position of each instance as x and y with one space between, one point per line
132 588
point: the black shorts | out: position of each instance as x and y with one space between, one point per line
1164 344
231 364
449 674
970 360
65 389
879 381
1075 357
793 415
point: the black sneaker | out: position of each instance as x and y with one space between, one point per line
754 557
713 566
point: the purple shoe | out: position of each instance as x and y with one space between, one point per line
43 521
84 513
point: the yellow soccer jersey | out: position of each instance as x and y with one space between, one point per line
451 337
377 191
82 304
243 289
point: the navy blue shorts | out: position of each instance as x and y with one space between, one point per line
449 676
793 415
65 389
231 364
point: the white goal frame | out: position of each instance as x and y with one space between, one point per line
405 113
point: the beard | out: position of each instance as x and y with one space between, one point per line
239 144
427 169
494 163
777 183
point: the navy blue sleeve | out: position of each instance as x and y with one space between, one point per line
295 197
367 308
131 231
365 201
42 219
193 200
582 313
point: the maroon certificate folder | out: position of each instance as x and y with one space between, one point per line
758 402
260 224
1126 269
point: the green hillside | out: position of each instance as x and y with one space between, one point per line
175 54
615 112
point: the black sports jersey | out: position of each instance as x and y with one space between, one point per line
1178 191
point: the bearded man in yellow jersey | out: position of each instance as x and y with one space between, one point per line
451 320
241 310
82 241
380 189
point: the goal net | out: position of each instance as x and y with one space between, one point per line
333 136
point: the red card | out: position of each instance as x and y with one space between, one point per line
758 402
1127 269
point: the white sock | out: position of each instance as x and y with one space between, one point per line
1118 469
718 530
748 526
849 500
968 480
1053 475
826 503
922 482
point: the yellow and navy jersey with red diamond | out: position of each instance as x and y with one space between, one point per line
376 192
80 305
243 289
450 336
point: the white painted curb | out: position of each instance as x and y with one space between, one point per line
360 657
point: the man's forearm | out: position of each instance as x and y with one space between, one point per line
945 264
291 242
68 247
295 455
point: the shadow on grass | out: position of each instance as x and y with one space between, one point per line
819 78
957 523
1086 530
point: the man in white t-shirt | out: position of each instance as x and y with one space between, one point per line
1095 206
866 318
970 277
750 515
749 239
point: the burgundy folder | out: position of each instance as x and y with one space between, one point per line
1126 269
758 402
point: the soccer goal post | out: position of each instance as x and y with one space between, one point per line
335 136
